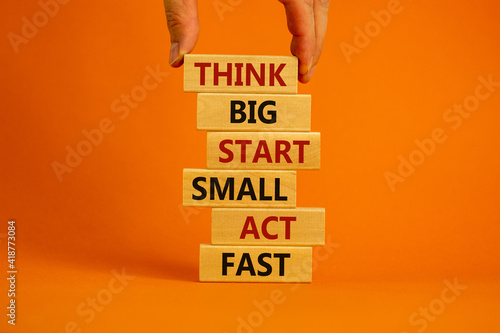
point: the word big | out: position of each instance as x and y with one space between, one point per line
238 115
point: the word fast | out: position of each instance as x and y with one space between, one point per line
246 263
242 77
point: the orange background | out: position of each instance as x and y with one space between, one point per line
121 207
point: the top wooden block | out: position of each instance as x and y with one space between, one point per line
240 74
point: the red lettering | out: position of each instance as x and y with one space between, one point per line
250 228
261 79
262 151
276 74
239 81
228 74
243 144
265 233
251 73
284 152
287 220
301 145
266 154
202 66
228 152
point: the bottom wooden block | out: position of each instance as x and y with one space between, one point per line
220 263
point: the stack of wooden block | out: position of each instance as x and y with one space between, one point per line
258 135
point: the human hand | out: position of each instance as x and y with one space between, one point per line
307 20
184 28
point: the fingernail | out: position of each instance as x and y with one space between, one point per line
174 52
311 72
304 69
309 67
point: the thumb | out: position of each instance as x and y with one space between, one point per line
184 27
300 20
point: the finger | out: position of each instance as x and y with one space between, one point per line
320 21
300 20
184 28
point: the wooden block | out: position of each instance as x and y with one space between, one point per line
263 226
254 112
240 73
255 263
263 150
239 188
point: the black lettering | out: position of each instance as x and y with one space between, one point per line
241 267
226 264
277 194
228 187
262 191
262 262
246 182
234 111
272 113
282 257
251 118
200 188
